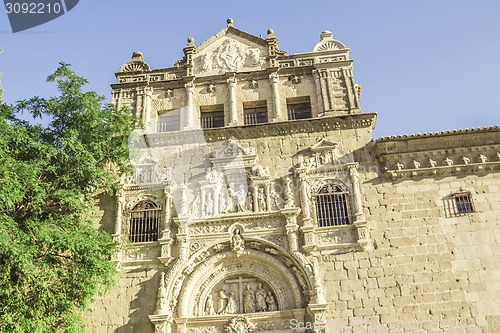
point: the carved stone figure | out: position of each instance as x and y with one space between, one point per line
416 164
195 206
260 298
277 202
231 304
261 200
206 61
231 195
483 158
241 196
449 162
466 160
237 241
400 166
222 203
248 300
209 306
221 305
432 163
249 201
209 204
271 302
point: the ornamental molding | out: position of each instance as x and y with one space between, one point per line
324 124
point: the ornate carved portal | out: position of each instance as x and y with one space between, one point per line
260 288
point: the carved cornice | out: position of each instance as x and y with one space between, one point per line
439 154
437 140
346 122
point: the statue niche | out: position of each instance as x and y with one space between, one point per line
238 295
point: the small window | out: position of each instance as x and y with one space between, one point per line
463 202
212 116
169 122
255 114
299 108
145 222
332 208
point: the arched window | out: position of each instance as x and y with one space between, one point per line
332 206
145 222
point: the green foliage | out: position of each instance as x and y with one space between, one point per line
52 259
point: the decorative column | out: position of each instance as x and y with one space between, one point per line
359 217
146 107
119 215
319 95
233 120
267 190
189 115
255 192
276 96
166 240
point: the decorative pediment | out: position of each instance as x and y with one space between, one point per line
231 149
230 50
323 153
324 144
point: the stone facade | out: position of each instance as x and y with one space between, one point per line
260 203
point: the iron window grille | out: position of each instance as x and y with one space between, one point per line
169 122
255 115
332 207
211 119
145 222
463 202
299 110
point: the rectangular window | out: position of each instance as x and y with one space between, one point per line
255 113
463 202
169 121
299 108
212 116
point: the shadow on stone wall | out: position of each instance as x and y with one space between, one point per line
142 302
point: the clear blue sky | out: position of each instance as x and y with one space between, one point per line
423 65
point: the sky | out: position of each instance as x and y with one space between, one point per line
424 66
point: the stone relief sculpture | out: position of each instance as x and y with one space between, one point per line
240 324
260 297
248 300
261 200
237 242
240 198
209 306
209 204
483 158
271 302
250 201
195 206
221 305
231 304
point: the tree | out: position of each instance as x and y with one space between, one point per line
52 260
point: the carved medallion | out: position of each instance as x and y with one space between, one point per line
239 324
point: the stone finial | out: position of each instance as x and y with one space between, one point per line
270 33
190 41
137 55
230 22
326 35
